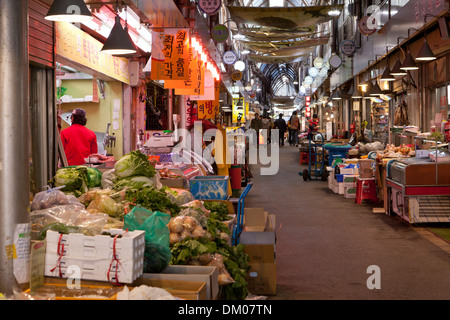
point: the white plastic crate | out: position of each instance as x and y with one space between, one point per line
95 255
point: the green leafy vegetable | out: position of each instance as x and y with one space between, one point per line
59 227
151 199
135 182
73 178
134 163
218 210
94 177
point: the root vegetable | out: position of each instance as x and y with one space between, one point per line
198 232
174 238
189 224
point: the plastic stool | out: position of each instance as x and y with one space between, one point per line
304 157
366 189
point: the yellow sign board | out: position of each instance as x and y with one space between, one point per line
238 110
75 45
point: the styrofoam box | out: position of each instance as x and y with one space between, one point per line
128 247
347 170
93 268
350 192
93 255
341 188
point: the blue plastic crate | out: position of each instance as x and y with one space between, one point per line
209 187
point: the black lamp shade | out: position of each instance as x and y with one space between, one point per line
376 90
396 71
119 41
409 63
425 53
386 76
69 11
356 93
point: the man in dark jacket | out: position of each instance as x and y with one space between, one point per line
280 124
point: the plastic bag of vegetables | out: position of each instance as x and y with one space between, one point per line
182 227
52 198
195 213
66 218
157 253
179 196
134 163
73 180
106 204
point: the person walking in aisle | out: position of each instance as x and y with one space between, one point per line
280 124
78 141
293 129
266 125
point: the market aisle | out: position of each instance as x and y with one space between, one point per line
325 243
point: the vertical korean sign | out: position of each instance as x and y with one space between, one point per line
208 109
170 54
307 106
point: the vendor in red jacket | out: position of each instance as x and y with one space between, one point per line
79 142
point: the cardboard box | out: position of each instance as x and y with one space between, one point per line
262 276
365 173
174 183
206 274
87 290
188 290
259 227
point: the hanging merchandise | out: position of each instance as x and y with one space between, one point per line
401 114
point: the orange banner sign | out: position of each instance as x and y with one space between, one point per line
170 54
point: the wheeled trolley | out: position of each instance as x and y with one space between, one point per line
316 164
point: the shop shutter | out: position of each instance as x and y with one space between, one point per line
40 34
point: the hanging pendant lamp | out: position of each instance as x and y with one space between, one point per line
356 94
425 53
376 90
387 75
68 11
409 63
119 41
396 71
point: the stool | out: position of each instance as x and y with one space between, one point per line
366 189
304 157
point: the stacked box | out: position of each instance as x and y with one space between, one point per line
102 257
259 238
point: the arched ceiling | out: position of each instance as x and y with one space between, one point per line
283 78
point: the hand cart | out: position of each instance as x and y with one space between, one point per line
239 226
316 164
